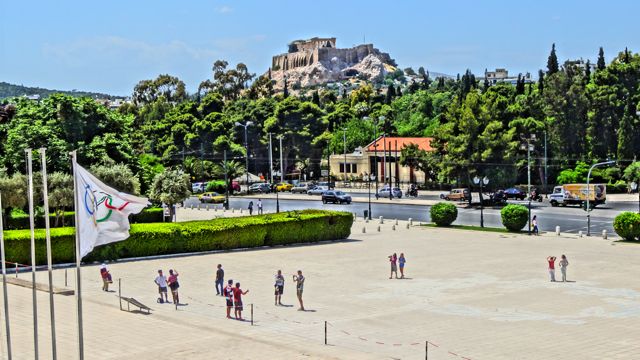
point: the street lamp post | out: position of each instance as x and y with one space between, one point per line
371 177
246 147
375 148
270 160
344 141
281 161
529 146
483 181
634 187
588 193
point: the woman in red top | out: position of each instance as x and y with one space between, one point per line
174 285
552 267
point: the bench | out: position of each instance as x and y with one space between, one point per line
134 302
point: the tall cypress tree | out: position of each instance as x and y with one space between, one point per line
626 59
626 135
285 90
540 81
398 91
316 98
600 65
552 61
391 93
587 70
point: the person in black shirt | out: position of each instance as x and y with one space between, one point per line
219 280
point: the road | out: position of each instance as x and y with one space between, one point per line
570 219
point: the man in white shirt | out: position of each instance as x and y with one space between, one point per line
259 205
161 281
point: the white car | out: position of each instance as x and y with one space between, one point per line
318 190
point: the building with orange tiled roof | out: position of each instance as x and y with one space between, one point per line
371 160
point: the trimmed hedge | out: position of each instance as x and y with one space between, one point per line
514 217
21 221
627 225
194 236
443 214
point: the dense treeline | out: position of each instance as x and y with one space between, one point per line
585 114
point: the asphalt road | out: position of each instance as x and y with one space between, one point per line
570 219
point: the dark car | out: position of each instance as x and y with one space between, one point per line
514 193
497 198
259 188
332 196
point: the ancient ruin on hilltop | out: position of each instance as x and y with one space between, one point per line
318 61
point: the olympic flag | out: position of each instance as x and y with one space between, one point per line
103 212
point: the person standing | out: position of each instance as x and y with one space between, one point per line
228 294
534 222
174 285
237 300
219 280
393 259
106 277
563 267
251 207
161 281
279 287
552 268
299 280
259 205
401 261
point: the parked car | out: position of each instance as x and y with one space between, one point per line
318 190
302 188
198 187
496 198
283 186
259 188
384 192
332 196
211 197
461 194
515 193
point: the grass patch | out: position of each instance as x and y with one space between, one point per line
476 228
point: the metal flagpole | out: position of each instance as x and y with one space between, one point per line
33 252
76 208
45 197
4 286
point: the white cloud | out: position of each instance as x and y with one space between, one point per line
224 9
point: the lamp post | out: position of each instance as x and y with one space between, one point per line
530 147
371 177
483 181
634 187
588 209
344 141
375 148
270 160
246 147
281 161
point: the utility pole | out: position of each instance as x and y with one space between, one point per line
270 160
281 161
246 147
390 184
546 191
226 181
344 140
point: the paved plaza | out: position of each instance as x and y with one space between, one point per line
472 295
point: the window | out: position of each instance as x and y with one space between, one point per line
354 168
341 167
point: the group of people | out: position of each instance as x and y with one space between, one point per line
258 205
396 261
279 288
172 283
563 263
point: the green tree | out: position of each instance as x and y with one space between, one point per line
118 176
632 172
231 168
170 187
60 187
626 135
14 193
552 61
600 65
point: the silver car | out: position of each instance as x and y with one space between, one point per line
318 190
384 192
302 188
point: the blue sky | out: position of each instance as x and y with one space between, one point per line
109 46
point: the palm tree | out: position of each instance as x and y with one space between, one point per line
303 166
232 168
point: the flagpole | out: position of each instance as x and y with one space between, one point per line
76 208
45 197
4 285
33 252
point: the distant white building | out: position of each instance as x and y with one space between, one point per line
502 75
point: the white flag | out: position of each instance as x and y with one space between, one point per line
103 212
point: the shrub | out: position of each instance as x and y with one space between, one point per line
443 214
216 185
627 225
514 217
195 236
19 221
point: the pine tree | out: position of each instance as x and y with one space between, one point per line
552 61
285 90
391 93
625 134
540 81
626 59
587 70
600 65
315 98
520 85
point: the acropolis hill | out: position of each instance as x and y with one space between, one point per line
318 61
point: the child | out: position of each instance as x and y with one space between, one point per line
401 262
534 222
106 277
228 294
237 298
174 285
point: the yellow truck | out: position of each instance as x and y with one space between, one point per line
576 194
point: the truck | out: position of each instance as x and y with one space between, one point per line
576 194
